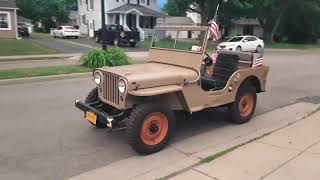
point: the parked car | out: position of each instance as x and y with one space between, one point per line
142 98
23 30
66 32
242 43
116 35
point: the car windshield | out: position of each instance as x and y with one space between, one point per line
179 40
235 39
68 27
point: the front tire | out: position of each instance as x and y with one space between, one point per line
97 39
242 110
150 126
116 42
259 49
133 44
91 98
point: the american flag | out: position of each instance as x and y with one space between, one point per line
214 56
214 29
257 62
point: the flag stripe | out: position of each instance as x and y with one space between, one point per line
257 62
214 29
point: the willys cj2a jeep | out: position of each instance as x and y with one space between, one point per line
142 98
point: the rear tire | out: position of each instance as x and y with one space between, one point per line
150 127
93 97
242 110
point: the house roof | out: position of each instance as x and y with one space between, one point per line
127 8
8 4
245 21
175 20
23 19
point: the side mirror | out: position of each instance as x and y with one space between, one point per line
245 40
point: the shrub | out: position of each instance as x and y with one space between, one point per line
97 58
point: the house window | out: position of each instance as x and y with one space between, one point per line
248 30
83 19
148 2
90 5
5 23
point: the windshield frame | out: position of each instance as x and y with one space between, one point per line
178 30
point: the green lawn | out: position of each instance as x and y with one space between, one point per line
11 47
42 71
292 46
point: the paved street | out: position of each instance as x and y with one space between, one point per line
44 137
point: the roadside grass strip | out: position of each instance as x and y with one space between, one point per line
11 47
42 71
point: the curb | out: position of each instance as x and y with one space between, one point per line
43 78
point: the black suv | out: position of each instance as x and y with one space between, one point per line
116 35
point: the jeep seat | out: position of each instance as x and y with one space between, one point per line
226 64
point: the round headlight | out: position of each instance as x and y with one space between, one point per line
122 86
97 77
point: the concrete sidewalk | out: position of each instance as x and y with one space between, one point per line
292 153
182 158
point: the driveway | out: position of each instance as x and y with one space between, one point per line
81 45
43 136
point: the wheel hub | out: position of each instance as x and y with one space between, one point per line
246 105
154 128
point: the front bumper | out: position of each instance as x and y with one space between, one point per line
103 117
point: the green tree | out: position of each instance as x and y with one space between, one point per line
301 23
44 11
203 7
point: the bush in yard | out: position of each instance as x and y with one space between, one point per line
97 58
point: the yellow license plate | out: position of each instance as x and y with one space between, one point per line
91 117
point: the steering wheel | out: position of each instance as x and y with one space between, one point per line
208 60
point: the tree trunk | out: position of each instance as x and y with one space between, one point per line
268 35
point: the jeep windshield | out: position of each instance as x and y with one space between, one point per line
179 40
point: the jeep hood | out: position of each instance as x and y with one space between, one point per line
151 74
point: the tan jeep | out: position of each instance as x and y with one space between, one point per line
178 76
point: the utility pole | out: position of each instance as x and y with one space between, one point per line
103 26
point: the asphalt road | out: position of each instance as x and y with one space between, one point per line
80 45
43 136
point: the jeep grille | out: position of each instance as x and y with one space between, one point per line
110 88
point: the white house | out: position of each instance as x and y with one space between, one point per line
131 14
241 26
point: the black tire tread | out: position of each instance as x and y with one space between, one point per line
135 121
233 108
93 97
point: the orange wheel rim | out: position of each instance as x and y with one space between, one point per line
246 105
154 128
